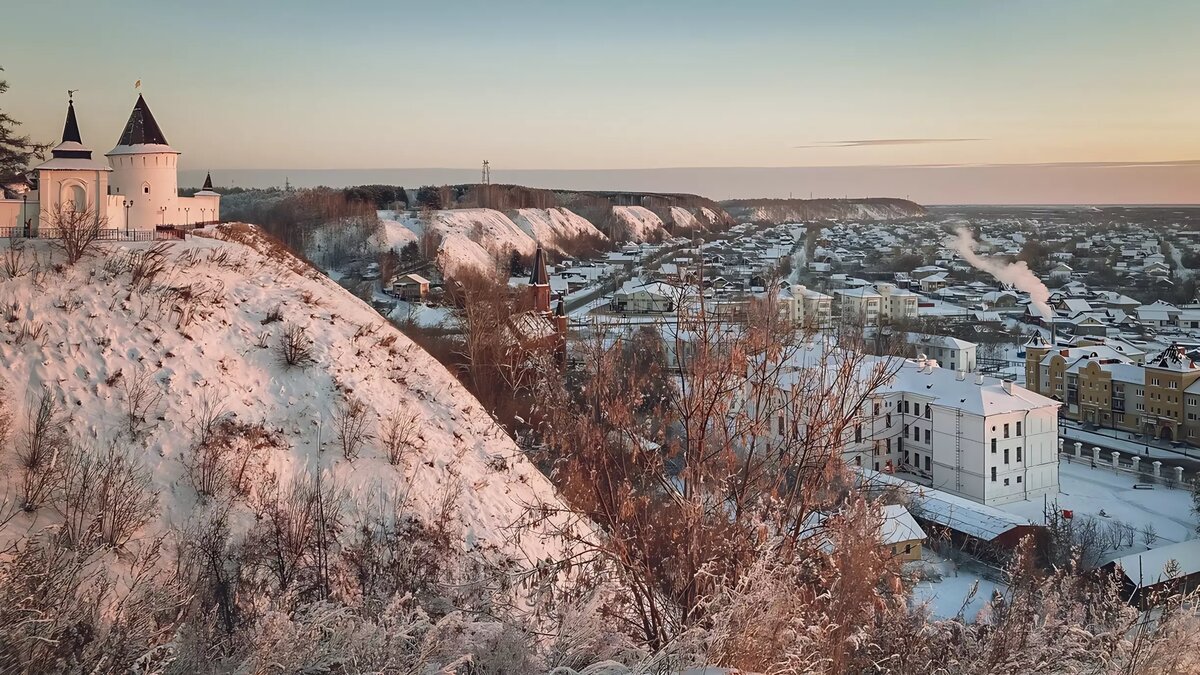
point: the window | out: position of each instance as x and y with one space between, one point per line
904 406
146 189
1006 455
916 408
993 473
888 419
1018 453
858 460
917 459
926 437
1006 430
927 463
781 425
1018 428
877 408
907 549
1006 481
1174 385
927 411
887 445
876 466
1154 381
993 446
1018 479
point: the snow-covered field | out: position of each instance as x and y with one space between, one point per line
197 331
1106 495
945 586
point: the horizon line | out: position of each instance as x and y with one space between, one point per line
1117 164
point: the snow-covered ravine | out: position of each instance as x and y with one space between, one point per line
203 331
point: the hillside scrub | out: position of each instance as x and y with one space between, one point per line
685 539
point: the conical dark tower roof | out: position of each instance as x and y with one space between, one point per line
539 277
141 127
71 135
207 182
71 128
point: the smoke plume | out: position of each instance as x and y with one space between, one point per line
1017 274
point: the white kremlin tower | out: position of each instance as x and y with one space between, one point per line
136 192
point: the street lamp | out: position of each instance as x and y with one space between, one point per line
186 222
162 215
127 203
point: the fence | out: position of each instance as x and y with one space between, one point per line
158 234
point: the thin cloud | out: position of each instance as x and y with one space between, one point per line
873 142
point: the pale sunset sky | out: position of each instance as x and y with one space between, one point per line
550 86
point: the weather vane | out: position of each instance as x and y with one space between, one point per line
71 95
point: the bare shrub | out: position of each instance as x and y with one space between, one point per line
297 530
399 435
12 259
103 493
30 331
142 399
351 420
146 266
309 298
263 340
226 459
45 439
273 315
62 613
76 229
295 346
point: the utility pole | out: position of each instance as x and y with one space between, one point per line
486 179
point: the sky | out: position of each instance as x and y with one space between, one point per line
1079 92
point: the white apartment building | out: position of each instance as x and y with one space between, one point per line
806 307
896 303
949 352
978 437
860 303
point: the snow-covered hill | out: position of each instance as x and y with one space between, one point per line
484 238
637 223
553 226
203 330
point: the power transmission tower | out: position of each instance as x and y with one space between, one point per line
487 173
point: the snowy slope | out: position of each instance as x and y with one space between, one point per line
639 223
684 219
195 331
549 226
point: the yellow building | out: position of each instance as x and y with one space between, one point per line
1100 386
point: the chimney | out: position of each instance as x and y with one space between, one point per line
1007 384
962 375
979 379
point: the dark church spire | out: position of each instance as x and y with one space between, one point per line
207 182
71 135
71 128
539 276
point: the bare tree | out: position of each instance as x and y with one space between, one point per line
1149 535
351 420
142 398
295 346
399 434
686 481
75 228
45 438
